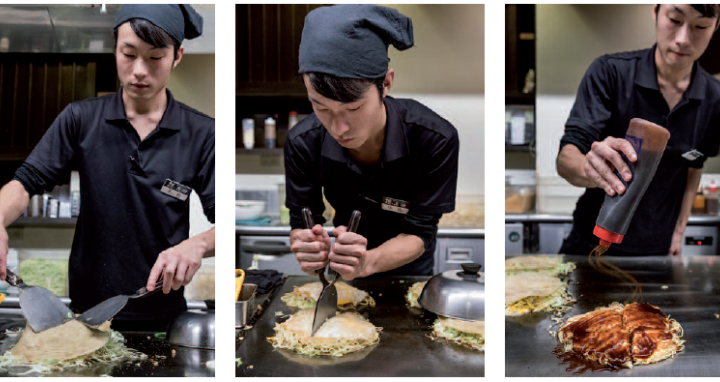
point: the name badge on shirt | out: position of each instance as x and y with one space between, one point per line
692 154
176 190
395 205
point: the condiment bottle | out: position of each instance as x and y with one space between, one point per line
292 119
649 141
711 198
248 131
270 133
698 206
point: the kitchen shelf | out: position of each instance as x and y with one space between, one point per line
517 98
44 222
259 151
522 148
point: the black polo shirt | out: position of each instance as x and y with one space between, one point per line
622 86
125 220
418 165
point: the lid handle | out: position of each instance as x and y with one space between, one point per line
471 268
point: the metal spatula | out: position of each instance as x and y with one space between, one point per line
41 307
326 306
104 311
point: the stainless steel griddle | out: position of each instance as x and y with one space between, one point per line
161 362
404 350
685 288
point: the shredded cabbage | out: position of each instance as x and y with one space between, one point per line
286 339
558 303
471 340
113 351
49 274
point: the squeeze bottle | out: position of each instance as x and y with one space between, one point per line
649 141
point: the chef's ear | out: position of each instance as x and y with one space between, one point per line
656 10
178 56
388 81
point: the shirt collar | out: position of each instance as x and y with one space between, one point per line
170 119
647 76
395 145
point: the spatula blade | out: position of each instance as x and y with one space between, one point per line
100 313
43 309
325 308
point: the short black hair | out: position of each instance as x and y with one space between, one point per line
151 34
341 89
708 10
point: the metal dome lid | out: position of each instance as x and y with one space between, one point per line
456 294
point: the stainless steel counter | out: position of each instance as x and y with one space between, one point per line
561 218
465 233
404 350
691 296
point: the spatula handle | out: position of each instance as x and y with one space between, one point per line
309 223
352 227
13 279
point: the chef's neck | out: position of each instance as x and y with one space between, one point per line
136 107
678 77
370 151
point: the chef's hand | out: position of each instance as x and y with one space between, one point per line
3 252
676 245
349 254
311 248
603 158
178 264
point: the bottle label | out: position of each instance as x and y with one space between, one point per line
636 144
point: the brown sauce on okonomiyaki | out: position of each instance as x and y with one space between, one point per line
614 337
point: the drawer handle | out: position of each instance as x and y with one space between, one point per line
272 248
459 255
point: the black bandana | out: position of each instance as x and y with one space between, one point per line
351 41
179 20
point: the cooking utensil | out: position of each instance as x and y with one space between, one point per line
42 309
326 306
456 294
245 306
239 279
195 329
107 309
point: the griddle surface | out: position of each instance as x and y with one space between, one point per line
187 362
692 297
404 350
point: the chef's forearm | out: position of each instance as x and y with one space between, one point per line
207 239
393 254
571 166
13 201
691 186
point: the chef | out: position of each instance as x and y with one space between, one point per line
139 154
394 160
664 85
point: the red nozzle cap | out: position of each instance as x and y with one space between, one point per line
607 237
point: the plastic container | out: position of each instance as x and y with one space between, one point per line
202 286
270 133
649 141
520 192
711 198
48 269
248 131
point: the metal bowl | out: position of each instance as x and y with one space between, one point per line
456 294
195 329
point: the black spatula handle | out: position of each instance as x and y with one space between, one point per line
14 279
